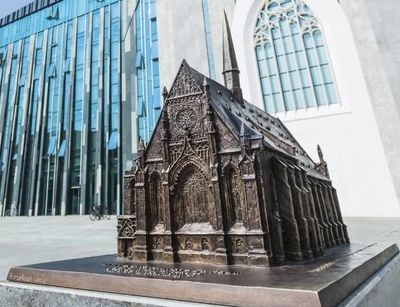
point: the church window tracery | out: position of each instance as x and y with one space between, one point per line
292 59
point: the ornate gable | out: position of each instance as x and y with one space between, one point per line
184 83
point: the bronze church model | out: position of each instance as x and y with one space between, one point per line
223 182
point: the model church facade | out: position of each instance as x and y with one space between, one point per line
223 182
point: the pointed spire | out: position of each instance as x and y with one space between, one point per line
230 67
323 166
141 145
320 154
165 93
244 139
140 154
205 82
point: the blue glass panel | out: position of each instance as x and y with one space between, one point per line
294 76
289 103
304 76
297 43
265 85
61 151
139 59
283 24
154 52
260 53
275 33
113 142
272 68
140 107
318 39
278 100
52 146
286 86
282 63
301 59
326 73
291 59
287 43
275 84
322 55
156 100
312 57
309 96
331 92
298 98
316 77
320 94
52 71
269 51
279 50
268 103
262 66
308 41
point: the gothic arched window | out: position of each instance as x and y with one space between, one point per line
292 59
156 195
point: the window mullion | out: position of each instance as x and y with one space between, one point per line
285 53
319 69
297 70
275 60
268 79
315 101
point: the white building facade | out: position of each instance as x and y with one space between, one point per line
321 67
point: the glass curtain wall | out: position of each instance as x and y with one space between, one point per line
60 100
147 68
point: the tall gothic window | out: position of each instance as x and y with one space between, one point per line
234 195
156 199
292 59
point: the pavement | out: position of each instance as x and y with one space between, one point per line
31 240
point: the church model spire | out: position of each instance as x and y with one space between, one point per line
230 69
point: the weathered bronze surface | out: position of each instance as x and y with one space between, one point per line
326 281
223 182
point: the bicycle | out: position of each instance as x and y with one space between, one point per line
11 212
98 213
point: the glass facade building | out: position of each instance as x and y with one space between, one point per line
69 98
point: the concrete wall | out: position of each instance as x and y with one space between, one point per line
374 25
182 35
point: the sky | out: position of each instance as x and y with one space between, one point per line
9 6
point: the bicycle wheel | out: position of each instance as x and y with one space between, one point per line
92 215
7 213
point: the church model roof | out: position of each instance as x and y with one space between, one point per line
244 117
